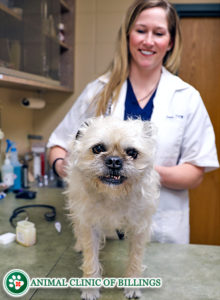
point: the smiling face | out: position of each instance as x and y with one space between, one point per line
149 39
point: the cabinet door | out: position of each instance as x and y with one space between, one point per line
40 38
36 44
200 67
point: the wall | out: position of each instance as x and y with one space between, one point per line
97 23
15 122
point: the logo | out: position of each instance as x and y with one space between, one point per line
16 283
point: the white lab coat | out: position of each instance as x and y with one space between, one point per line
185 134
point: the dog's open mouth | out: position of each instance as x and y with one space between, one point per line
112 179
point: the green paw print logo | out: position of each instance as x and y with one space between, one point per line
16 283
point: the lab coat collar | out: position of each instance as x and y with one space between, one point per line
168 79
168 85
171 81
167 88
104 78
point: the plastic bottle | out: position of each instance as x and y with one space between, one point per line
16 168
25 175
7 172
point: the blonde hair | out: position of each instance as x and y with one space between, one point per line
119 68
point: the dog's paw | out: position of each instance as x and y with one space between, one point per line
132 293
90 294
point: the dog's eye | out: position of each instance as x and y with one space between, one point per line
132 152
98 148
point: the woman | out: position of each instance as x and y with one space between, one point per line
140 83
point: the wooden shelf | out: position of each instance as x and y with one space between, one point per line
63 46
21 83
64 6
9 12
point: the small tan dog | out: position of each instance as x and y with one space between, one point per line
112 185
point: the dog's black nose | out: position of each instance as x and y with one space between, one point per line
114 162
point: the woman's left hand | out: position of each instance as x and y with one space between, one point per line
185 176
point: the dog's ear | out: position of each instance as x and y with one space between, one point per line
80 131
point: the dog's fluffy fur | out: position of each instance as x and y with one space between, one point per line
112 185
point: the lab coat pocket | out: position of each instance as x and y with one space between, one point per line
169 140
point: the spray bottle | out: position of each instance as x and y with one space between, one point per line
16 167
7 168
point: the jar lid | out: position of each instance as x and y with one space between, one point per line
25 224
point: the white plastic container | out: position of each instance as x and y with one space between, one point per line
26 233
7 172
7 238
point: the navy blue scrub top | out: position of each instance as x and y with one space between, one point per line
132 108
